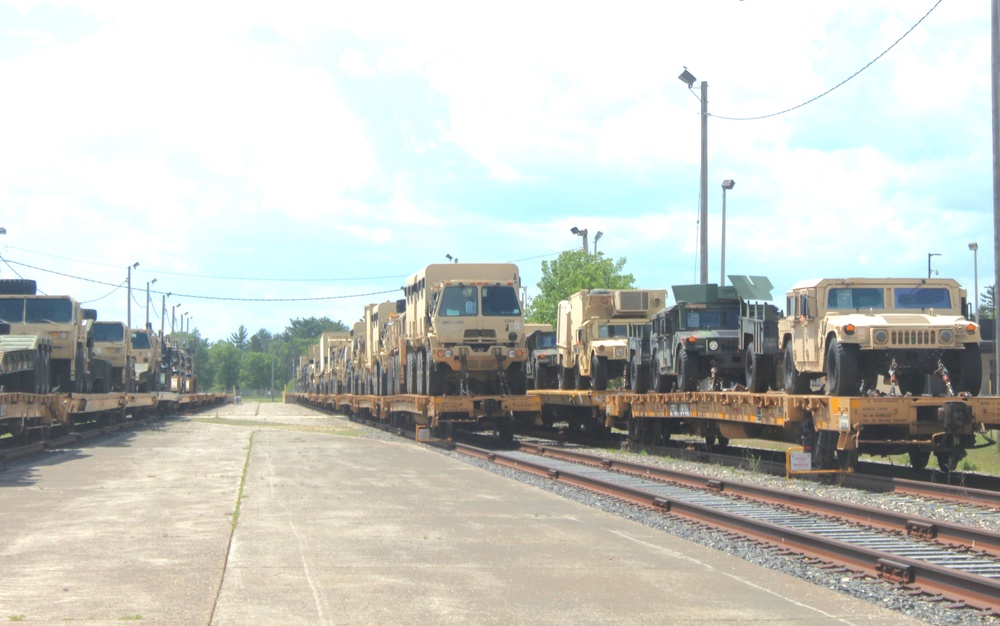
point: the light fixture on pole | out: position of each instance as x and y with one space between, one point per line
597 238
689 79
582 232
450 258
173 310
726 186
129 318
163 313
975 274
929 255
148 301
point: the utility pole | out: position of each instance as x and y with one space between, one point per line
994 68
704 183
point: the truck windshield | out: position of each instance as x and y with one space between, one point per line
108 332
140 341
606 331
500 301
711 320
546 340
459 301
12 310
855 298
923 298
58 310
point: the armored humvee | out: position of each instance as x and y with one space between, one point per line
592 333
541 365
853 330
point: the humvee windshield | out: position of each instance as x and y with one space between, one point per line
606 331
108 332
855 298
546 340
922 298
711 320
140 341
12 310
57 310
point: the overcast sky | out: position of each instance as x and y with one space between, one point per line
245 151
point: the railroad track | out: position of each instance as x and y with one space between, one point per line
947 561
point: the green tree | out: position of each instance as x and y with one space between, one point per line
987 308
240 338
260 341
224 360
574 271
255 371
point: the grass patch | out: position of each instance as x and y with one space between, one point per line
130 618
16 618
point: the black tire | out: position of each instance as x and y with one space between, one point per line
580 382
599 372
517 380
565 378
435 379
970 370
638 377
919 458
687 370
18 287
795 381
911 382
757 370
420 378
842 369
657 381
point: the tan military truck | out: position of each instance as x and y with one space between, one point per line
377 316
331 345
146 355
59 318
464 331
592 333
111 343
854 330
357 376
541 363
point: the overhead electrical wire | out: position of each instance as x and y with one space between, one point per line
200 297
841 83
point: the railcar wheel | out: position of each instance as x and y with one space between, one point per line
687 370
599 372
795 381
946 461
842 369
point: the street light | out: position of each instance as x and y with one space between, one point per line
975 273
450 258
726 186
689 79
929 255
148 283
597 238
583 233
163 312
129 319
173 309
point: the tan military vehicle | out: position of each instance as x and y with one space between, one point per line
331 345
857 329
541 364
111 343
464 331
593 329
146 352
60 319
377 316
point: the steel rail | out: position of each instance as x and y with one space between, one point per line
976 591
974 538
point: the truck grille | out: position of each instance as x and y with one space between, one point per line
481 334
913 338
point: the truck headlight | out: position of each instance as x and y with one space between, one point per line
881 336
713 345
947 336
620 353
511 353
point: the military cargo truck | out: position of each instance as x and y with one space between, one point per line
592 332
24 362
111 344
58 318
145 350
378 356
357 377
464 331
854 330
541 364
696 340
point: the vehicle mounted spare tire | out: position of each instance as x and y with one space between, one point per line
18 287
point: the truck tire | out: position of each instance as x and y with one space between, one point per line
795 381
970 370
18 287
842 369
581 382
638 377
599 373
687 370
757 370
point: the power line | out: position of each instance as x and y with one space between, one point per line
831 89
243 278
200 297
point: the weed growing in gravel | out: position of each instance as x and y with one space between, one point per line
968 466
130 617
16 618
753 463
